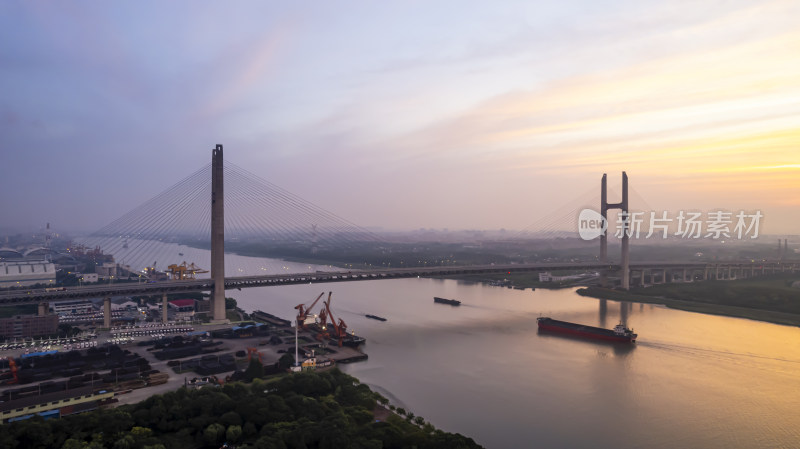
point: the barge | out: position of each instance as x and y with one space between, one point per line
452 302
620 333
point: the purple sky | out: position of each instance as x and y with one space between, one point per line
401 115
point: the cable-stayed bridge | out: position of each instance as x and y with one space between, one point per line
249 212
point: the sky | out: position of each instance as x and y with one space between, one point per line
402 115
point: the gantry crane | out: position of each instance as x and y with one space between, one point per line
184 271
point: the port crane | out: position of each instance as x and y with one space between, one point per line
251 351
322 324
184 271
340 329
303 311
150 271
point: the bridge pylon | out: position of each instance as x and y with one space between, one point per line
604 207
217 236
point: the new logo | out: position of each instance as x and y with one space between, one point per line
591 224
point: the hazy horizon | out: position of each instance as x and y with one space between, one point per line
458 115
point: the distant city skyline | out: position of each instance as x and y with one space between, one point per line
401 116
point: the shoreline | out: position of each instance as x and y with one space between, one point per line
768 316
738 299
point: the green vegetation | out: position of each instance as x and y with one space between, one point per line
303 410
255 370
67 330
230 304
770 298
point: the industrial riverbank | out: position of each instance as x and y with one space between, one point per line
135 367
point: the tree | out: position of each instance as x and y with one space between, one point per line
214 434
67 330
233 434
231 419
230 304
286 361
255 370
249 429
72 444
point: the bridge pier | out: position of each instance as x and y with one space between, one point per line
164 308
217 236
107 312
625 275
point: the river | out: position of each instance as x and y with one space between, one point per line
483 370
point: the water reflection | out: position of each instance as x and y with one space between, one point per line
624 309
603 312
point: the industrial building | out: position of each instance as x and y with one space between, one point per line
26 326
182 309
27 273
72 307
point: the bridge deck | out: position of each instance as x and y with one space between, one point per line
24 296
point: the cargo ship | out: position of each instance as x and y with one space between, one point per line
452 302
376 317
619 333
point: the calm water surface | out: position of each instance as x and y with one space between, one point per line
483 369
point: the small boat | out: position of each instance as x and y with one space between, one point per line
375 317
452 302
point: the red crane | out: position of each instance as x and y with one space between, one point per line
12 366
251 351
302 311
339 329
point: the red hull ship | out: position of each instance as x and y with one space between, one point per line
619 333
